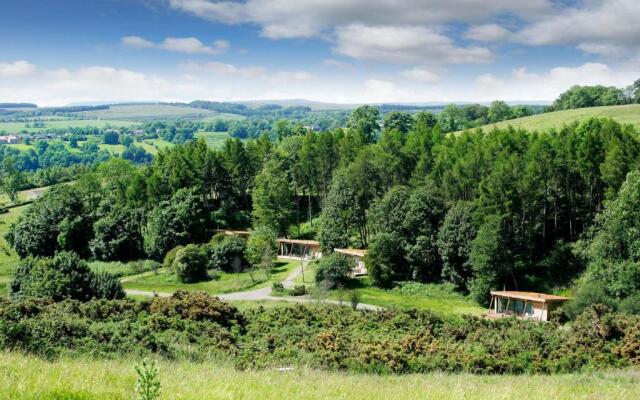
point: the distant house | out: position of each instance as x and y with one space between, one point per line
525 305
9 139
358 255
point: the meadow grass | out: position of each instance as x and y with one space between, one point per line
627 114
167 282
214 140
26 377
136 112
433 297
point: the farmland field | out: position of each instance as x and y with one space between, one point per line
16 127
214 140
26 377
627 114
140 112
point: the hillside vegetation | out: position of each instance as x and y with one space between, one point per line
139 112
625 114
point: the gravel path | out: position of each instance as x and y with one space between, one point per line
262 294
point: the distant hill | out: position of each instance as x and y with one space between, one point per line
144 112
627 114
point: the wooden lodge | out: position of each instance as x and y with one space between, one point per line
526 305
298 248
244 234
359 268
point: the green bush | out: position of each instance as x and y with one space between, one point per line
385 261
227 254
170 257
297 290
64 276
196 326
190 264
107 286
334 270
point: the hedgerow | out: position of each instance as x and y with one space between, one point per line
196 326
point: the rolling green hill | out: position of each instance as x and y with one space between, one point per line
628 114
142 112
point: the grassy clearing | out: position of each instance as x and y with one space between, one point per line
121 269
14 127
433 297
214 140
224 283
26 377
628 114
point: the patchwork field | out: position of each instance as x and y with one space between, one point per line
26 377
17 127
141 112
214 140
627 114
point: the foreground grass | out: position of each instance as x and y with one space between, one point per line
627 114
27 377
225 282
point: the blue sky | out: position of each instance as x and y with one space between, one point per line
58 52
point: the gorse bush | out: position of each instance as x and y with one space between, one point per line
196 326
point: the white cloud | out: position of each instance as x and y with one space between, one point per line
137 41
420 75
608 50
597 21
189 45
487 33
17 69
330 62
523 85
224 69
306 18
289 76
408 44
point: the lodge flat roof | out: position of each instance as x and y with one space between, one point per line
299 241
352 252
530 296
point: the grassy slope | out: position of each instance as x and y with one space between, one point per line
214 140
26 377
8 258
137 112
629 114
225 283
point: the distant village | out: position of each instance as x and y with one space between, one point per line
34 137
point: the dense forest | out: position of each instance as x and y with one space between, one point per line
482 210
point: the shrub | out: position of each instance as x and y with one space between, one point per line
196 306
170 257
107 286
190 264
228 254
64 276
334 269
277 287
297 290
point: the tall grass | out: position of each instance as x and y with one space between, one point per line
25 377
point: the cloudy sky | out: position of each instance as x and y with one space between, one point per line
56 52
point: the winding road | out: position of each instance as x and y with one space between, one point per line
260 294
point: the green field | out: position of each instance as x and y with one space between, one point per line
628 114
141 112
224 283
15 127
214 140
27 377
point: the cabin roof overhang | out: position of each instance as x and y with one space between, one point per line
530 296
